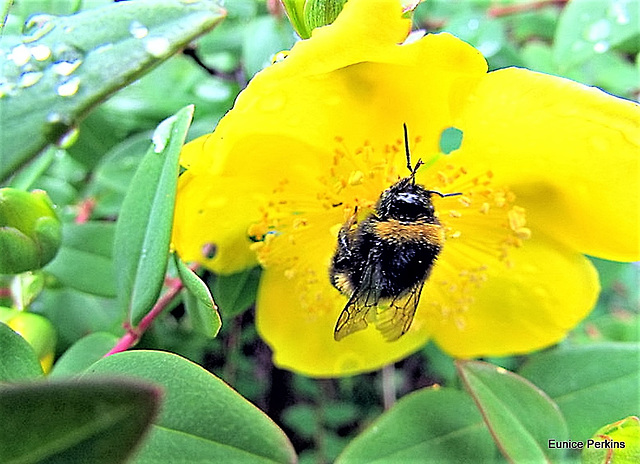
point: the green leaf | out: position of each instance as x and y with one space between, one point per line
587 28
64 66
25 179
18 360
592 385
199 304
143 232
430 425
76 314
113 174
96 421
84 260
520 416
202 419
264 37
235 293
83 354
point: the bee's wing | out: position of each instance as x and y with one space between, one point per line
354 315
394 321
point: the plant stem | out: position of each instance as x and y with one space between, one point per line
506 10
133 334
388 386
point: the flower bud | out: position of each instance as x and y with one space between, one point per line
616 443
306 15
30 231
36 330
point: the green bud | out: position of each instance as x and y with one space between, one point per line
617 443
7 313
30 231
39 332
306 15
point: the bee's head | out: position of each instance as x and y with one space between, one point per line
405 201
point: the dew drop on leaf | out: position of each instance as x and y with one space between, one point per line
162 133
138 30
157 46
69 87
27 79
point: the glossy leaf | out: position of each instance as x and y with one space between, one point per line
203 312
83 354
592 385
521 417
84 259
82 313
430 425
202 419
96 420
64 66
18 360
235 293
143 232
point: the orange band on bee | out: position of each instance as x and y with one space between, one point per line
392 229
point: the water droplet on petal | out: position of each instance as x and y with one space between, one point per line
37 26
598 30
162 133
69 87
40 52
157 46
27 79
20 55
138 30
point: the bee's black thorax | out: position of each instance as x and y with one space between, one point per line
399 241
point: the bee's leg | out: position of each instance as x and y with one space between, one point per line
345 236
343 259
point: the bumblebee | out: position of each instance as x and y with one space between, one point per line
382 262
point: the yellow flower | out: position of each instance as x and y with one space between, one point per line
547 168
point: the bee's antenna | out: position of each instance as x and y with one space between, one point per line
406 146
444 195
408 153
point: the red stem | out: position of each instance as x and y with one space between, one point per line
498 11
133 334
85 208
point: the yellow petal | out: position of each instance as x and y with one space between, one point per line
529 305
273 133
215 206
302 339
570 153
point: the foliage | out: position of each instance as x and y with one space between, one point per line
98 147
